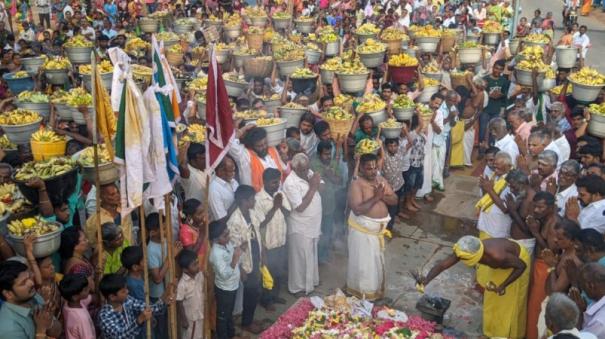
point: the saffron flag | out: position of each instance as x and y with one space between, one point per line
106 120
219 117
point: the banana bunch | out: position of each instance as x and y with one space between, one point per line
135 44
244 50
235 77
184 21
33 97
79 97
427 31
12 199
78 41
390 123
104 66
430 68
46 135
597 108
457 73
532 53
428 82
529 65
19 117
255 30
20 75
195 133
312 46
45 169
305 18
352 66
87 157
403 101
550 74
159 14
198 84
366 146
368 28
303 73
470 44
176 48
557 89
328 37
167 36
424 110
233 20
288 51
59 96
141 71
36 225
268 34
371 46
337 113
271 97
491 27
537 38
251 114
267 121
282 15
57 63
293 105
588 76
6 144
371 103
255 11
343 100
392 33
402 60
331 64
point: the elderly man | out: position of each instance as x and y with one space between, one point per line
109 212
504 141
113 245
493 221
557 116
562 316
592 282
301 188
505 298
547 171
591 195
368 198
565 187
517 120
472 110
254 156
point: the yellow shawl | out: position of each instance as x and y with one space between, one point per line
486 202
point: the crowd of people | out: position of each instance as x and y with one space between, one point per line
282 210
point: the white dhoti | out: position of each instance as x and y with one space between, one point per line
529 245
303 272
439 153
469 142
365 268
194 330
427 166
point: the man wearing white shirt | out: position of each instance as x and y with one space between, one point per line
504 140
591 195
561 317
439 142
581 40
567 176
192 166
222 190
592 282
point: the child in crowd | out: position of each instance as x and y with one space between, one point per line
192 233
224 258
132 260
413 177
190 295
44 275
123 316
76 292
394 162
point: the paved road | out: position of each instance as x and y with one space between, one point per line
594 22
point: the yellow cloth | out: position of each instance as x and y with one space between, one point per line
267 278
106 119
485 203
380 234
457 155
505 316
467 258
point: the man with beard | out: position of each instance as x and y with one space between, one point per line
566 188
591 195
110 204
23 313
518 206
308 139
541 224
368 198
254 156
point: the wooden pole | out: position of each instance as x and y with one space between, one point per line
171 269
145 265
95 142
208 289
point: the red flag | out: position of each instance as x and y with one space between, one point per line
219 117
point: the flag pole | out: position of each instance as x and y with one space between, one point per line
171 266
95 142
207 288
145 265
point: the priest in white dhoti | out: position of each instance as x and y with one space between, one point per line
369 196
304 225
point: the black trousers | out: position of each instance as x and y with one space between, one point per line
277 262
44 18
252 286
225 302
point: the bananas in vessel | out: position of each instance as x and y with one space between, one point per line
5 143
368 28
233 20
57 63
537 38
282 15
33 97
167 36
45 169
390 123
427 31
337 113
59 96
597 108
87 157
371 46
235 77
424 110
343 100
470 44
392 33
78 41
491 26
293 105
331 64
403 60
19 117
11 199
35 225
428 82
176 48
79 97
366 146
303 73
430 68
403 101
267 121
198 84
371 103
104 66
255 11
195 133
20 75
46 135
251 114
588 76
557 89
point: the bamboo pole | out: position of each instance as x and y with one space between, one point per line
95 142
145 265
208 289
171 266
